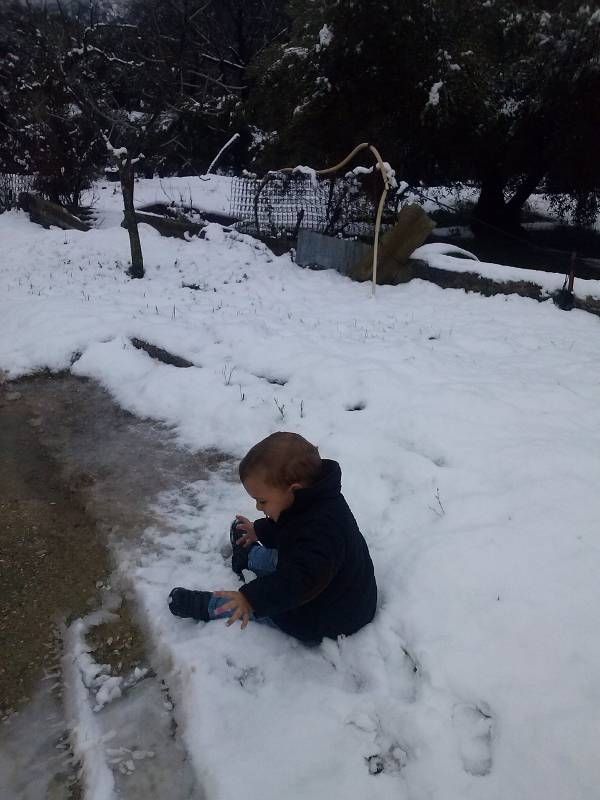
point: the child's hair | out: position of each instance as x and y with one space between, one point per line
282 459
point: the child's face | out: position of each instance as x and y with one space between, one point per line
271 500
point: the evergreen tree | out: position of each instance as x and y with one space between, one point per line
514 97
499 93
44 133
351 72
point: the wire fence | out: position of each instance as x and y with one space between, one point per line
280 204
11 187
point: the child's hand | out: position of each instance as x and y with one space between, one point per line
246 530
238 605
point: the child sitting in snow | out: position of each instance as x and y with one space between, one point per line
314 573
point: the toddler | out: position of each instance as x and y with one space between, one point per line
314 574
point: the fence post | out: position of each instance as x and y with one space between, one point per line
572 271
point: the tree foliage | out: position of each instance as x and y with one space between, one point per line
43 132
515 100
499 93
349 73
502 93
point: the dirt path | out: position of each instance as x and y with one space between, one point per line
51 554
78 477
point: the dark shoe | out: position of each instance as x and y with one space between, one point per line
234 534
187 603
239 553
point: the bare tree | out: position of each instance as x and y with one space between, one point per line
136 84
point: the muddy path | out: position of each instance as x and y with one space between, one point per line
51 554
78 478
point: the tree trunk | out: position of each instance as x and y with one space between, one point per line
526 189
126 174
492 211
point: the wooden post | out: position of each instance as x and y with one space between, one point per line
411 230
572 271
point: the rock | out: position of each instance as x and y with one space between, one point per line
161 355
46 213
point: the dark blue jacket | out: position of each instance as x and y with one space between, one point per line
324 584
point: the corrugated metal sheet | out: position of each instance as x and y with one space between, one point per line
329 252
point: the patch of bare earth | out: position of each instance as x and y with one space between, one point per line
51 554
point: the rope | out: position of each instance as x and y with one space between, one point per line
380 207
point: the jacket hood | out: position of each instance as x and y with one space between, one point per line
328 485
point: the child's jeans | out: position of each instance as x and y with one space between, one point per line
261 561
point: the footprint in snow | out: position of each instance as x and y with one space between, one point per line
392 760
249 678
474 728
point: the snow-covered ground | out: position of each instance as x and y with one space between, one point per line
205 194
447 257
468 430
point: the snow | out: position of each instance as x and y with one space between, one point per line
467 428
221 151
434 94
109 690
116 152
359 171
325 37
206 195
389 174
443 256
87 738
310 172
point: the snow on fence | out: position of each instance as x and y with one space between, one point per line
11 186
282 204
